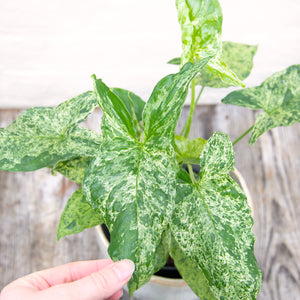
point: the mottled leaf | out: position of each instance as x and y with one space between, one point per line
77 216
191 271
238 57
132 185
201 27
278 96
211 226
164 106
42 136
117 120
74 168
188 151
132 102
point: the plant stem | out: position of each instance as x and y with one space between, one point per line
187 126
191 172
243 135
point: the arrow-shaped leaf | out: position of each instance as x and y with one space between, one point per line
278 96
131 183
42 136
211 227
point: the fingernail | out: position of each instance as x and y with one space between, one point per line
124 269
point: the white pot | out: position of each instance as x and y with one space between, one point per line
160 287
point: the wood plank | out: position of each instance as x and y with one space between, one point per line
31 203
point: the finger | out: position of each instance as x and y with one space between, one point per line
73 271
99 285
116 296
62 274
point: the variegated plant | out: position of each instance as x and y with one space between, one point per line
132 177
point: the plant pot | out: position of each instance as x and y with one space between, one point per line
160 287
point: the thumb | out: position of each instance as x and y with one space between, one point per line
99 285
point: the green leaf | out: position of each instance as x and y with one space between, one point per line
42 136
211 226
132 102
238 57
74 168
188 151
164 106
117 120
133 186
278 96
77 216
162 252
175 61
191 272
201 27
132 183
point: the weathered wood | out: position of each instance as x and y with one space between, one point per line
31 203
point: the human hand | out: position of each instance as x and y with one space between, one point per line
85 280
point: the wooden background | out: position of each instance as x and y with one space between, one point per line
31 203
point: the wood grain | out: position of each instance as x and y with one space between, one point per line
31 203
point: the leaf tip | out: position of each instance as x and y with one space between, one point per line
94 77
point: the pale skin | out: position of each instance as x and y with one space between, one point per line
84 280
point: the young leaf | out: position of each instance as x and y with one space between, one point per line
211 226
133 186
42 136
238 57
164 106
201 26
278 96
188 151
77 216
73 168
117 119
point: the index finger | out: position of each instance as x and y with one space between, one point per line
62 274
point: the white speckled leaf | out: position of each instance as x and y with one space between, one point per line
42 136
212 225
164 106
74 168
278 96
132 185
77 216
238 57
201 26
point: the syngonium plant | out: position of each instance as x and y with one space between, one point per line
132 176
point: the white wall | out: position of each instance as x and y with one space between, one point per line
49 49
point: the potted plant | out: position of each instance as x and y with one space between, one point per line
137 177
